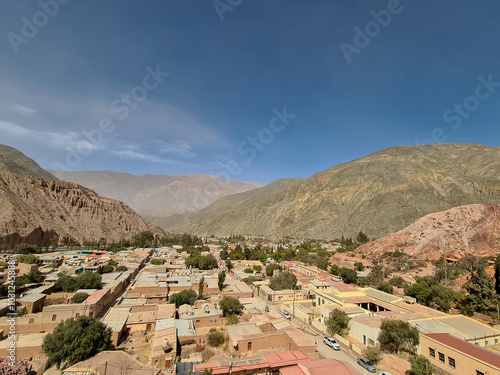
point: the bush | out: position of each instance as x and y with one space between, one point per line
285 280
107 269
28 259
398 335
257 268
79 297
215 339
373 353
248 270
232 319
348 276
420 366
85 280
121 269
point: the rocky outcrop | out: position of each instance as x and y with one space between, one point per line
35 210
472 229
14 161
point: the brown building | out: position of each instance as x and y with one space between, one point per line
33 302
458 356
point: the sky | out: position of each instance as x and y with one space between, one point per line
251 90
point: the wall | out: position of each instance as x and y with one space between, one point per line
464 364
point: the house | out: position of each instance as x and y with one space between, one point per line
457 356
322 367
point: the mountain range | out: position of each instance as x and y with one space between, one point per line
158 195
378 194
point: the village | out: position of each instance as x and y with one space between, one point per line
231 318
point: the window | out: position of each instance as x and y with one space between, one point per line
441 357
432 353
479 372
451 362
54 317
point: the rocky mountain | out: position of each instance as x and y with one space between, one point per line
473 229
379 194
14 161
227 203
35 210
158 195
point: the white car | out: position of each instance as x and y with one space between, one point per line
286 315
331 343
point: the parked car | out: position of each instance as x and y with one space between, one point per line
331 343
384 373
363 362
267 308
286 315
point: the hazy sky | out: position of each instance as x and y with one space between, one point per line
253 90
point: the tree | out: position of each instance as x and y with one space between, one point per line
359 266
220 280
201 286
257 268
248 270
215 339
232 319
79 297
224 254
420 366
35 276
421 291
348 276
285 280
182 298
121 268
335 270
75 340
230 305
271 268
373 353
28 259
362 238
107 269
25 249
480 287
398 335
157 262
497 274
337 322
385 287
85 280
229 265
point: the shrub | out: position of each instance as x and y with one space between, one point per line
79 297
215 339
338 321
373 353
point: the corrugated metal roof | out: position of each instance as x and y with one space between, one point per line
32 297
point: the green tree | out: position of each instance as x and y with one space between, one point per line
215 339
229 265
285 280
75 340
121 268
157 262
398 335
107 269
373 353
230 305
337 322
497 274
248 270
348 276
335 270
224 254
232 319
421 291
25 249
182 298
79 297
359 266
480 287
271 268
362 238
28 259
88 280
220 280
257 268
420 366
201 286
385 287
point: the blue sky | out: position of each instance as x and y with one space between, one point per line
86 86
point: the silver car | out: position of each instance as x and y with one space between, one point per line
363 362
331 343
